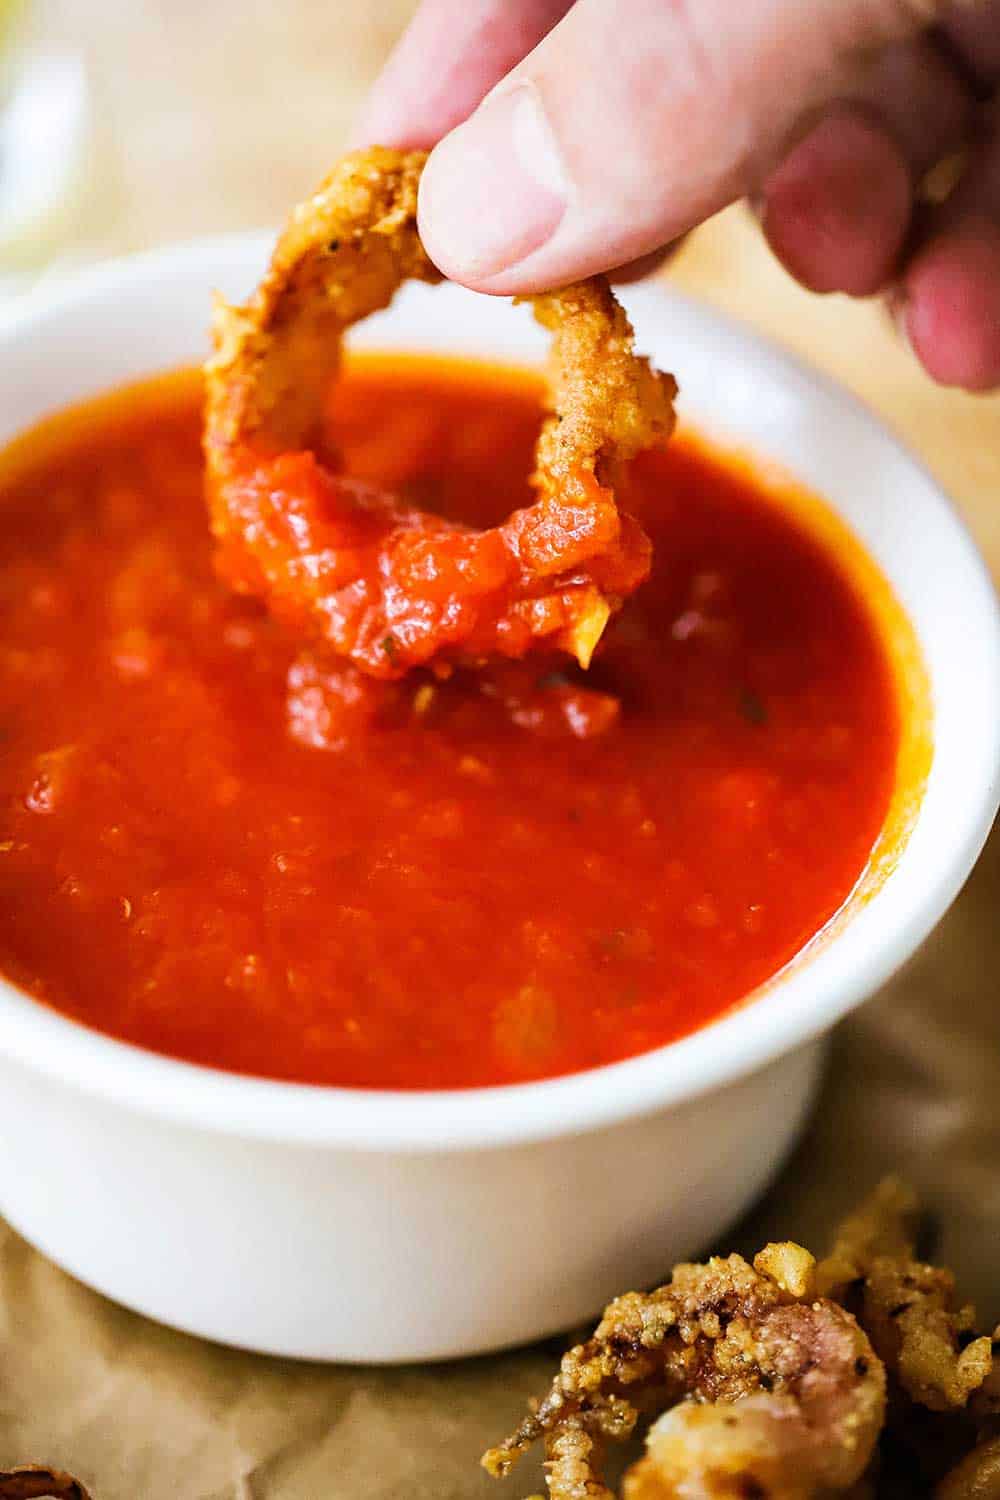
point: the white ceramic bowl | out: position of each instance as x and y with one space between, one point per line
371 1226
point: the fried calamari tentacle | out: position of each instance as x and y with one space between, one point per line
785 1385
574 1456
379 581
32 1482
908 1308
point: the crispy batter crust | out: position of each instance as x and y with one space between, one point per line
910 1309
607 403
344 253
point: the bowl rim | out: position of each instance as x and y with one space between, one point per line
792 1010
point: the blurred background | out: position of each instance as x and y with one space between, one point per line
131 123
201 115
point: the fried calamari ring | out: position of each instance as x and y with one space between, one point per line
773 1391
381 582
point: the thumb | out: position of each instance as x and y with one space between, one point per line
631 123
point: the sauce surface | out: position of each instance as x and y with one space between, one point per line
228 850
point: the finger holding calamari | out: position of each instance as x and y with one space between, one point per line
378 580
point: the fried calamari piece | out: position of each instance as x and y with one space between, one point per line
976 1477
773 1392
379 581
908 1308
883 1225
607 403
31 1482
342 256
946 1381
923 1334
774 1382
574 1451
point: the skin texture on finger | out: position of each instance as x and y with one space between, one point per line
951 305
837 212
646 265
631 123
918 96
450 56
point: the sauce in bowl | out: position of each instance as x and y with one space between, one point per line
227 849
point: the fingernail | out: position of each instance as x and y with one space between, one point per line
495 189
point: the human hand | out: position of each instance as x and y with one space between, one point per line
583 137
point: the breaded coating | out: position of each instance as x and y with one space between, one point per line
908 1308
379 581
573 1457
607 403
814 1431
790 1394
342 256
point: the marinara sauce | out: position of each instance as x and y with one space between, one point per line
222 846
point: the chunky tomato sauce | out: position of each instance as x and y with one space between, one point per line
393 587
225 848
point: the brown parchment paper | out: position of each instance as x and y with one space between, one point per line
141 1413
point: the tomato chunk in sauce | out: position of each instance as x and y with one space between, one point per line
219 844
